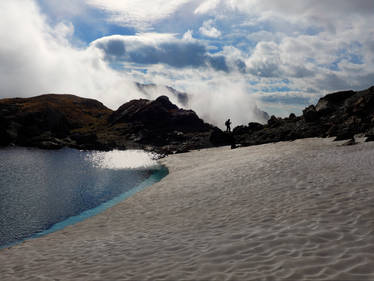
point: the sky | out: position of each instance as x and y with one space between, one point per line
230 56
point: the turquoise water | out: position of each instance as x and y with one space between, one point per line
44 191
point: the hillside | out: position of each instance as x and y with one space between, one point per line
340 115
54 121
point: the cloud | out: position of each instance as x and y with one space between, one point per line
152 48
36 58
209 30
282 50
141 13
206 6
300 9
311 8
69 9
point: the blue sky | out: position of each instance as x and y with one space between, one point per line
231 56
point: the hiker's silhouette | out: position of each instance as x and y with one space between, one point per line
228 125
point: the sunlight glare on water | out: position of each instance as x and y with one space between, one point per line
118 160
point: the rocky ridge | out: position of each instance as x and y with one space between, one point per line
54 121
341 115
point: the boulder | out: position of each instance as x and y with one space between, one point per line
332 102
251 128
292 117
219 138
274 121
159 115
310 114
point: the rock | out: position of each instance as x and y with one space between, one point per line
332 102
159 115
292 117
53 121
310 114
352 141
80 139
344 135
38 120
5 139
234 146
51 145
182 149
369 135
251 128
274 121
341 115
220 138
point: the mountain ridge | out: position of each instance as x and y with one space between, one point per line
53 121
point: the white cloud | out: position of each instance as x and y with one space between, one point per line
188 35
268 47
209 30
36 58
70 8
140 13
214 96
207 6
152 48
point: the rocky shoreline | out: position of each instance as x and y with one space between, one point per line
55 121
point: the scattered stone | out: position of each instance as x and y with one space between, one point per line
352 141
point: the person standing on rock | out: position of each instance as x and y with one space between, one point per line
228 125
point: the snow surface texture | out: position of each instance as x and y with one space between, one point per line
300 210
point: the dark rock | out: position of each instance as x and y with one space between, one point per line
274 121
370 135
220 138
5 139
344 135
51 145
352 141
159 115
340 115
310 114
292 117
54 121
39 121
252 127
84 138
181 149
234 146
332 102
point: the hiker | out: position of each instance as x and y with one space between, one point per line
228 125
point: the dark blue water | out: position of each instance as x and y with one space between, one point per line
40 188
